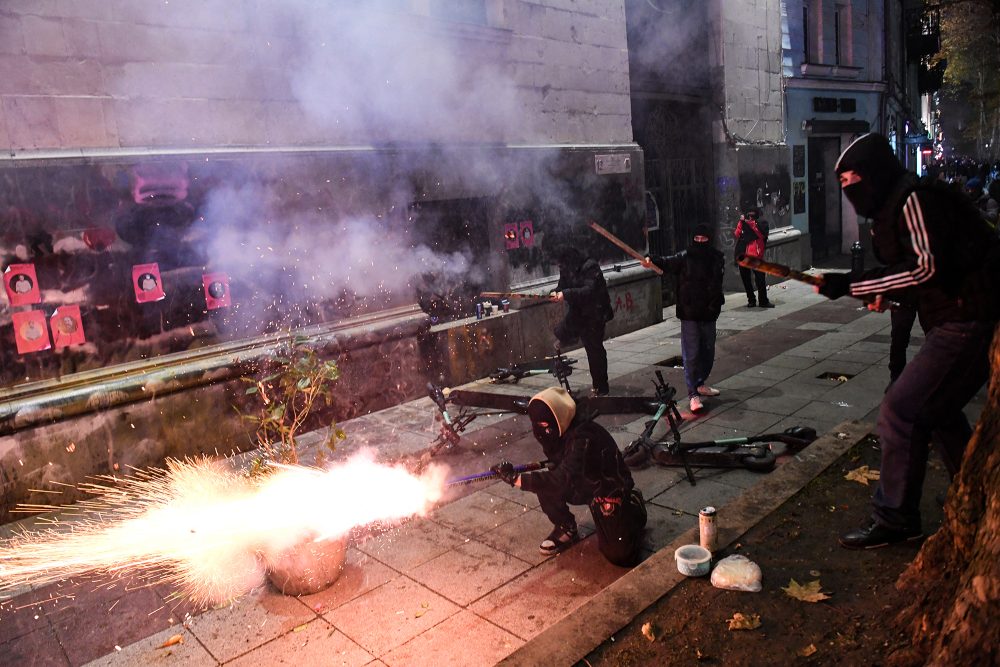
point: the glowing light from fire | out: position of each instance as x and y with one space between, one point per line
209 530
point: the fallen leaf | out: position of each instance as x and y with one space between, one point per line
808 593
300 628
424 608
744 621
176 639
807 651
647 632
862 475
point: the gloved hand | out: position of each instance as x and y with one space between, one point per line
505 471
835 285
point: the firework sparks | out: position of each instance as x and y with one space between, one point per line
209 530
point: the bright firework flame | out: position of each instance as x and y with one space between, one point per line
210 530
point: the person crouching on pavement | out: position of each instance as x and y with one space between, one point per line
585 468
938 251
582 286
699 270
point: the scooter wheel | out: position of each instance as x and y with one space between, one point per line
759 463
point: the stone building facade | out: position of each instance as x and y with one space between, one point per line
290 168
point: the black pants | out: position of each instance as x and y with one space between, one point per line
591 334
761 281
619 520
926 401
899 339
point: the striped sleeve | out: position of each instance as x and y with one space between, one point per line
919 269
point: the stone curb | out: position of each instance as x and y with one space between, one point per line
588 626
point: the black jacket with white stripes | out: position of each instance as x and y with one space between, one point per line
931 243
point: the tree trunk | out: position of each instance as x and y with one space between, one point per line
954 582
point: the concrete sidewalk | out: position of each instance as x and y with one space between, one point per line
466 585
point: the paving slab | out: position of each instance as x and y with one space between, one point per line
462 640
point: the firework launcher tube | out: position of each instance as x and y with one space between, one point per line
782 271
624 246
489 475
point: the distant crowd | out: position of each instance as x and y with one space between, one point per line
979 180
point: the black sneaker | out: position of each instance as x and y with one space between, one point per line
600 392
766 304
558 539
873 535
751 304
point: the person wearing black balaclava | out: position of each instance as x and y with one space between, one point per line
584 467
937 253
699 270
582 286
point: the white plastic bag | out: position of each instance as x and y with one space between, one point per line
737 573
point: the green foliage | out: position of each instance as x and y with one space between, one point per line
298 383
970 45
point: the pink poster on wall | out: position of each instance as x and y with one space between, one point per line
216 290
510 235
527 230
147 283
67 327
21 284
30 332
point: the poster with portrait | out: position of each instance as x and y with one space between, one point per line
510 236
147 283
21 284
216 290
30 332
67 327
527 229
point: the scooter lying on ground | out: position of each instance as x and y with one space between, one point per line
750 452
560 366
472 404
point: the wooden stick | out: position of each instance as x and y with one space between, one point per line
779 270
624 246
512 295
782 271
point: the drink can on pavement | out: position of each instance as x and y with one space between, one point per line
707 529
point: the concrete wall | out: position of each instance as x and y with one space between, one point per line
94 74
749 55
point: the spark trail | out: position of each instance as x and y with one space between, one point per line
209 530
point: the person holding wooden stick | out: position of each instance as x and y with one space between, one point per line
699 270
582 286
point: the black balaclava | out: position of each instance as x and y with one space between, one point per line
556 408
570 259
701 230
539 412
871 157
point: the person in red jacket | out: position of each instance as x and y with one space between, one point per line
751 239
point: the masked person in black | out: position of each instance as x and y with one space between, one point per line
585 468
582 286
699 270
937 253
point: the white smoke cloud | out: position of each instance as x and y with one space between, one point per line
314 255
395 76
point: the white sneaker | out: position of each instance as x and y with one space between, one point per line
705 390
695 404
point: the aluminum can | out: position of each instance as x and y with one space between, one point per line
479 311
708 531
505 305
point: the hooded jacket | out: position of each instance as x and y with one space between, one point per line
584 460
930 239
700 270
585 291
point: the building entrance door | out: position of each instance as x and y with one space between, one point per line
824 197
